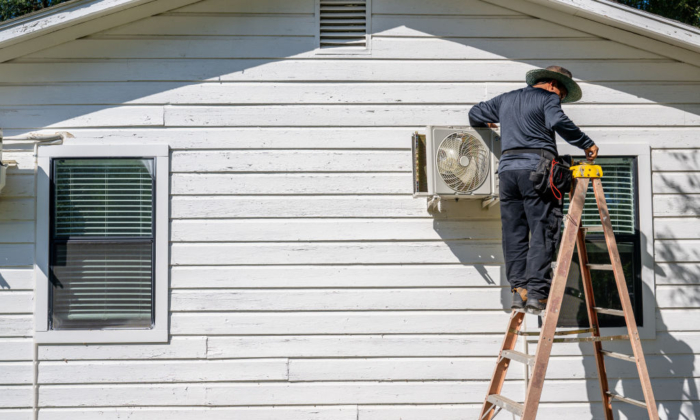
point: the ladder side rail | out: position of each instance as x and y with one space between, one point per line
499 373
625 299
556 295
594 325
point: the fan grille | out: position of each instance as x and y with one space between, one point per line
463 162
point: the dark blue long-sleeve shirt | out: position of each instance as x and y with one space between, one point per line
529 118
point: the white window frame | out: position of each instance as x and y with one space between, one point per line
159 332
367 50
646 226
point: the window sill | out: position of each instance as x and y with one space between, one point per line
101 336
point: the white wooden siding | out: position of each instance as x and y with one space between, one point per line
307 283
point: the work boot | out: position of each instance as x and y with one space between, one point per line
536 306
519 298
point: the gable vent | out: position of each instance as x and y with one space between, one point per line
343 23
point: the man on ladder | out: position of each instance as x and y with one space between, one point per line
531 215
531 203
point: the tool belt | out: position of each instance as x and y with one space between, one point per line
542 152
552 172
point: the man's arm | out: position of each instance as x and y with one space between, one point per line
484 113
559 122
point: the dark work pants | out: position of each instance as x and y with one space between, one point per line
531 232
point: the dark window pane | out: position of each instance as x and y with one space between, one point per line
103 197
102 285
619 185
573 310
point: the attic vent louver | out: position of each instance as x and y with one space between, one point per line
343 23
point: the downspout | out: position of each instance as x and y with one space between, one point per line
36 139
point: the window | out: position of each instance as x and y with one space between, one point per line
102 244
343 26
620 186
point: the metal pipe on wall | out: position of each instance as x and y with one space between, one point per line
37 139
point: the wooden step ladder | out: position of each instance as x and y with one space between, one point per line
573 237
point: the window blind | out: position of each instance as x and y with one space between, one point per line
105 284
343 23
102 244
618 184
110 197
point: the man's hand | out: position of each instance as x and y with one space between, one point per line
491 125
592 152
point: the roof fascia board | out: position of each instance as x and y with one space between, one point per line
604 30
71 13
52 32
628 18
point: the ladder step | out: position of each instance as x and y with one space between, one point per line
591 339
638 403
620 356
506 404
616 312
518 357
563 332
592 229
602 267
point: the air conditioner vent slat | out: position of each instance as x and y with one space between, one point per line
343 23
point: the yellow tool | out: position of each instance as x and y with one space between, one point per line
586 170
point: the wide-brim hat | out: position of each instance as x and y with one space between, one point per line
574 90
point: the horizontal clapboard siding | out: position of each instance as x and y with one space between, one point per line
16 325
194 47
676 248
365 412
177 348
465 252
326 70
234 413
333 393
164 371
245 93
333 138
306 282
16 302
333 229
16 278
16 349
328 323
342 276
352 346
335 300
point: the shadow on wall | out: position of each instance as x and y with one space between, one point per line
3 283
206 73
165 74
672 248
671 365
473 235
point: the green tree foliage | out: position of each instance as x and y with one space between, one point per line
686 11
13 8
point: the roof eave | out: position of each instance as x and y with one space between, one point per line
58 17
630 19
73 20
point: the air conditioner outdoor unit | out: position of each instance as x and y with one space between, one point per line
460 162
